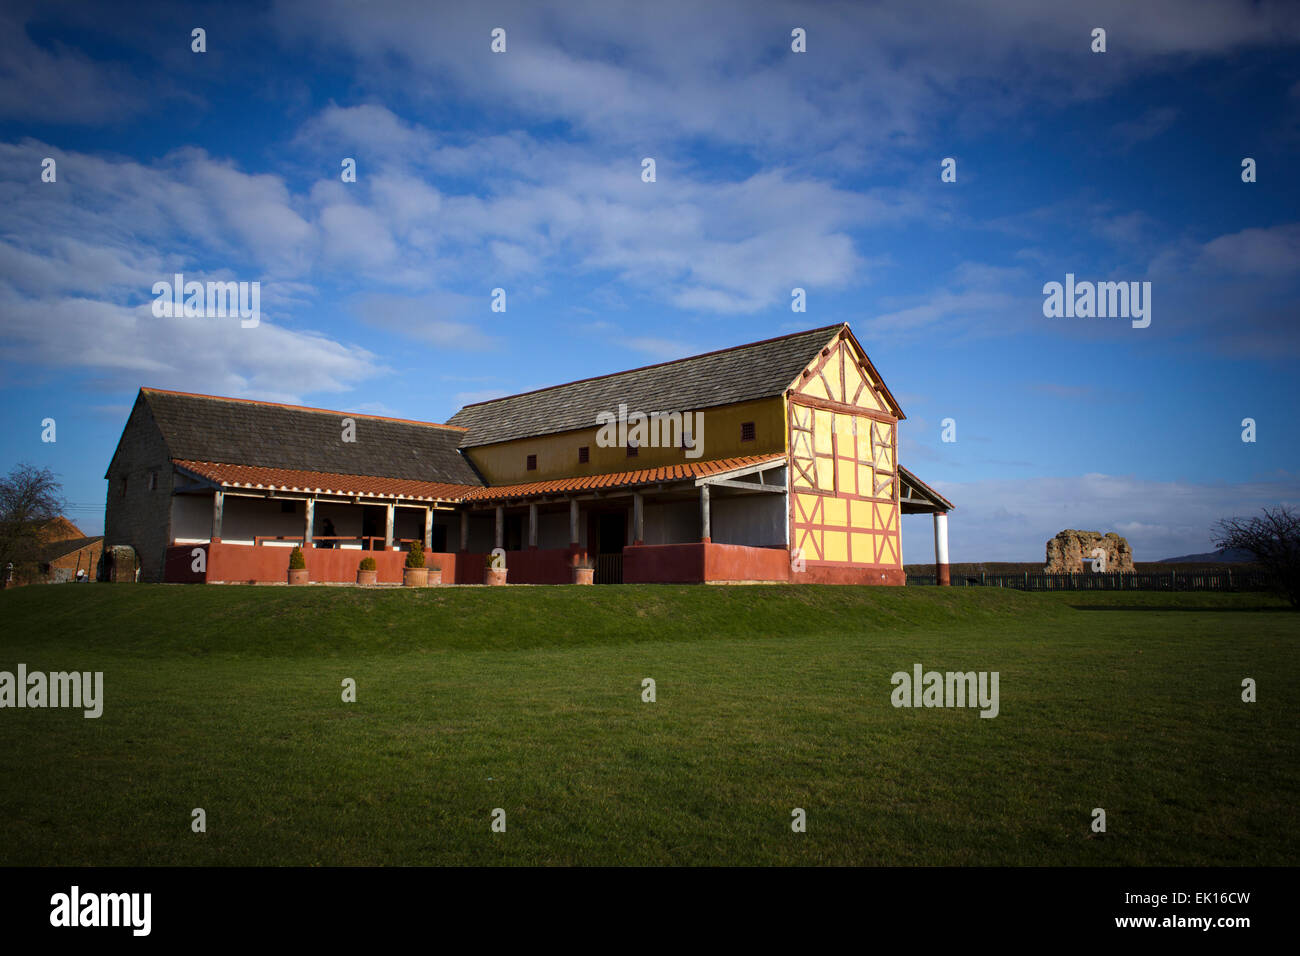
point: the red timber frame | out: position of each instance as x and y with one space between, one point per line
874 457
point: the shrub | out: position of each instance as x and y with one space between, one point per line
1274 539
296 560
415 555
367 564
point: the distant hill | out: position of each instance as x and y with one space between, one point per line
1223 555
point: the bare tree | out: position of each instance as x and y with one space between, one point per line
1274 539
30 497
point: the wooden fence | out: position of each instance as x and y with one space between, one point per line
1244 580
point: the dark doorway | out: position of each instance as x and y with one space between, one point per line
439 543
611 532
374 523
512 537
606 536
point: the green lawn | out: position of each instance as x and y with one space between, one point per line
529 699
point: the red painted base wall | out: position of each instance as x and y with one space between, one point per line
867 575
692 563
254 564
712 562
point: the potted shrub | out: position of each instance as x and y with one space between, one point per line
495 571
415 574
298 573
367 571
583 571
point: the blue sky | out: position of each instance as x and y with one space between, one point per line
775 170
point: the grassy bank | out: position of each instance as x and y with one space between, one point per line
529 699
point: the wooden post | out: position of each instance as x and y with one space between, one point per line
464 530
705 531
310 520
428 529
388 526
573 532
218 507
532 526
501 527
638 518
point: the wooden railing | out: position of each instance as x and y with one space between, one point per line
367 542
609 569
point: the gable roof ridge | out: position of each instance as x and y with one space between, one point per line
643 368
148 390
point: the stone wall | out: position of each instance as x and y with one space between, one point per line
136 514
1073 551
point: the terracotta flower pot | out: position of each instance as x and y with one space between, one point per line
435 576
582 575
367 577
299 576
415 577
494 575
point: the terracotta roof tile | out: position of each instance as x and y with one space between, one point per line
644 476
285 479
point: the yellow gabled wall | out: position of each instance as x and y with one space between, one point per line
844 466
505 463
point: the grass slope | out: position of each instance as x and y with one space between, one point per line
529 699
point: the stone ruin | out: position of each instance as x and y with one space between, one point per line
1073 551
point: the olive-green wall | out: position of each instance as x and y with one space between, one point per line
505 463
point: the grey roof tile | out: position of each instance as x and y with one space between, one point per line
234 431
740 374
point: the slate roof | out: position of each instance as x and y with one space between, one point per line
208 428
57 549
622 479
319 482
739 374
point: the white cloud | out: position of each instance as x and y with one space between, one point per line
1012 520
129 347
428 318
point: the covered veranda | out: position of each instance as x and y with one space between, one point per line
916 497
689 523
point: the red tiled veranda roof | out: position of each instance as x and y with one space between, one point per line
322 482
619 479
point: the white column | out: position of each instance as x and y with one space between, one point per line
501 527
310 520
389 516
428 529
532 525
942 575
